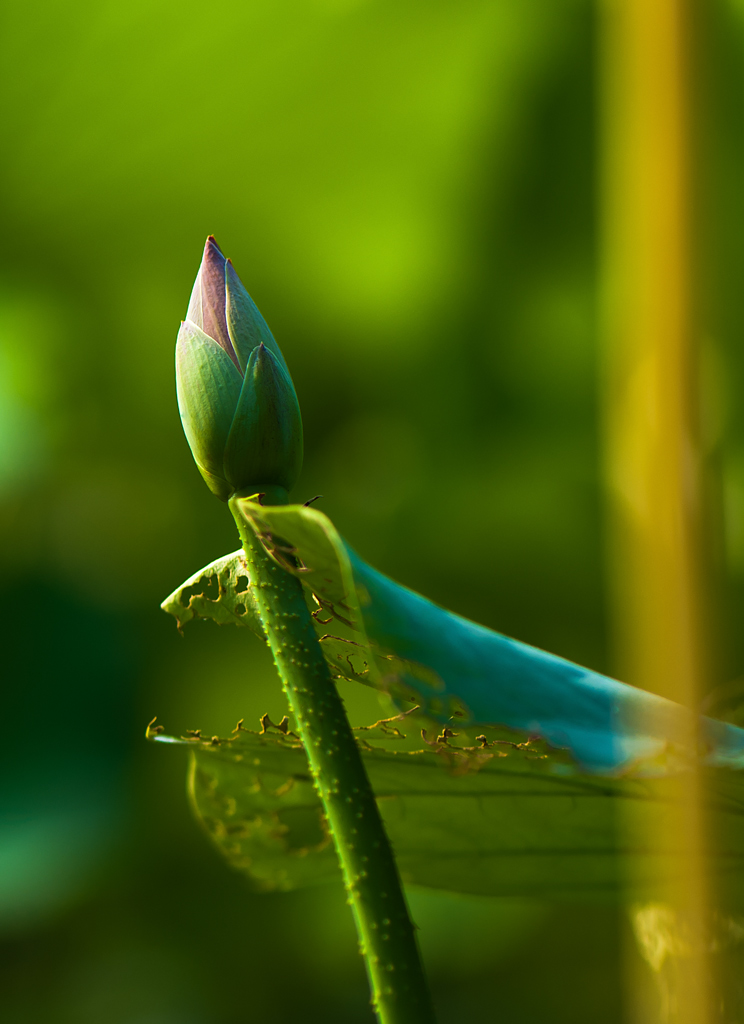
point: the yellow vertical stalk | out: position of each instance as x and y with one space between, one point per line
650 429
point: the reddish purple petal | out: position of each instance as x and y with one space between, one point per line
207 307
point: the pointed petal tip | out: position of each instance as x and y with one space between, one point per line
207 307
230 271
211 243
213 255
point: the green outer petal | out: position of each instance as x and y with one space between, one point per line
265 442
195 312
217 484
247 327
208 386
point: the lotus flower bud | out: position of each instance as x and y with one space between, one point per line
236 398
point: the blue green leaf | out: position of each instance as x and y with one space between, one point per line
378 632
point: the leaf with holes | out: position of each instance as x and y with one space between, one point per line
378 632
221 592
502 819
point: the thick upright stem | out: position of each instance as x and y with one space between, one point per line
387 942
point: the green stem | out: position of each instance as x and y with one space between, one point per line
400 993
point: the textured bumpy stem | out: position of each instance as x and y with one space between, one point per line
400 993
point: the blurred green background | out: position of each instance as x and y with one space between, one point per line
409 191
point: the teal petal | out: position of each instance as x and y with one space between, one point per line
247 327
265 442
208 386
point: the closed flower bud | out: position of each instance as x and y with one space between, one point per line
238 405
